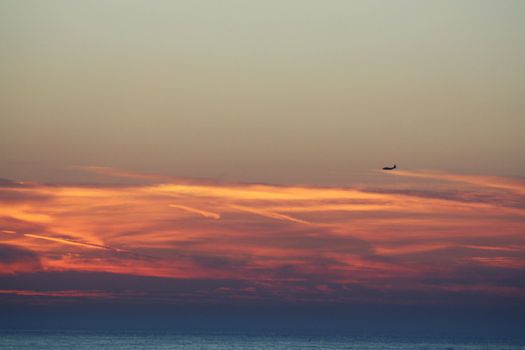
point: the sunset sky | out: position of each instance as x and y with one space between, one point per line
161 153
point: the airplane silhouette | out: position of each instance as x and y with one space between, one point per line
389 167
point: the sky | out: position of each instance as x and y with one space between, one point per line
163 154
278 91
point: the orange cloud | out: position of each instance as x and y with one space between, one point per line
285 240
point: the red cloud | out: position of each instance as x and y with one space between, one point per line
294 241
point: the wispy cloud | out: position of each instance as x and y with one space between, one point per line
497 182
279 241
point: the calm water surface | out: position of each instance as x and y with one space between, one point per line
84 340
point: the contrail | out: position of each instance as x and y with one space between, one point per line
273 215
207 214
88 245
67 241
61 240
485 181
113 172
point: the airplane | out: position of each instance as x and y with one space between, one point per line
390 167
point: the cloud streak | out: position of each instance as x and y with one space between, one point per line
68 241
497 182
294 243
205 213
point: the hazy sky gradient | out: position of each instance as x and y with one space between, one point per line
274 91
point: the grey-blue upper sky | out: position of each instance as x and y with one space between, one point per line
281 91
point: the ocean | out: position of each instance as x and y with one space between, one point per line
122 340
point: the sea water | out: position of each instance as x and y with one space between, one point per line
122 340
